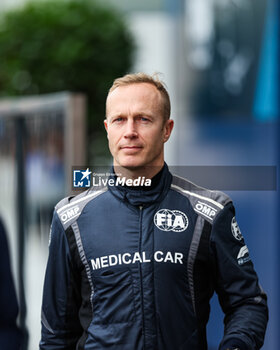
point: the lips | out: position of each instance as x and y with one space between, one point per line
131 149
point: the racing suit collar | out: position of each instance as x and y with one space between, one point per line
137 196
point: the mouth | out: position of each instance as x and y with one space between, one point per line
131 149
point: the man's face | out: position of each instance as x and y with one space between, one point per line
135 126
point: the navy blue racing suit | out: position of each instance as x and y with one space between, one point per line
135 270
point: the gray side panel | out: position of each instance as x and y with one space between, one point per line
82 254
192 255
46 323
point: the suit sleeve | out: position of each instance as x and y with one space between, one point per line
61 328
240 295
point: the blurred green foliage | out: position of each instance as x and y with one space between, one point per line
74 45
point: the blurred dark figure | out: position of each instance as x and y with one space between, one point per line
10 335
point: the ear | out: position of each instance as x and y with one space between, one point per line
106 124
168 127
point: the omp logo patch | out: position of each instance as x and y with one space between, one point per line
205 209
171 220
69 214
235 229
241 257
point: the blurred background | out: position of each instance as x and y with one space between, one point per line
220 61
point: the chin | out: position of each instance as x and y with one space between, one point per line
130 164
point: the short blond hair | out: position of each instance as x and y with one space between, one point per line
138 78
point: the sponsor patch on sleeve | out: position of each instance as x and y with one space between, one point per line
236 230
243 255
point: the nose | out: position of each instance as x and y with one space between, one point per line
130 130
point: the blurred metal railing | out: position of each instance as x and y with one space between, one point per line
70 110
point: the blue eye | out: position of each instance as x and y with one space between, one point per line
119 119
144 119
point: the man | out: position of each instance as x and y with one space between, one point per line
135 267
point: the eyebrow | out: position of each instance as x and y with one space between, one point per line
139 114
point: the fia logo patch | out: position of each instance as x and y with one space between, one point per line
171 220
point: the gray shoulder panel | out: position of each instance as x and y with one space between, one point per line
70 208
205 202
